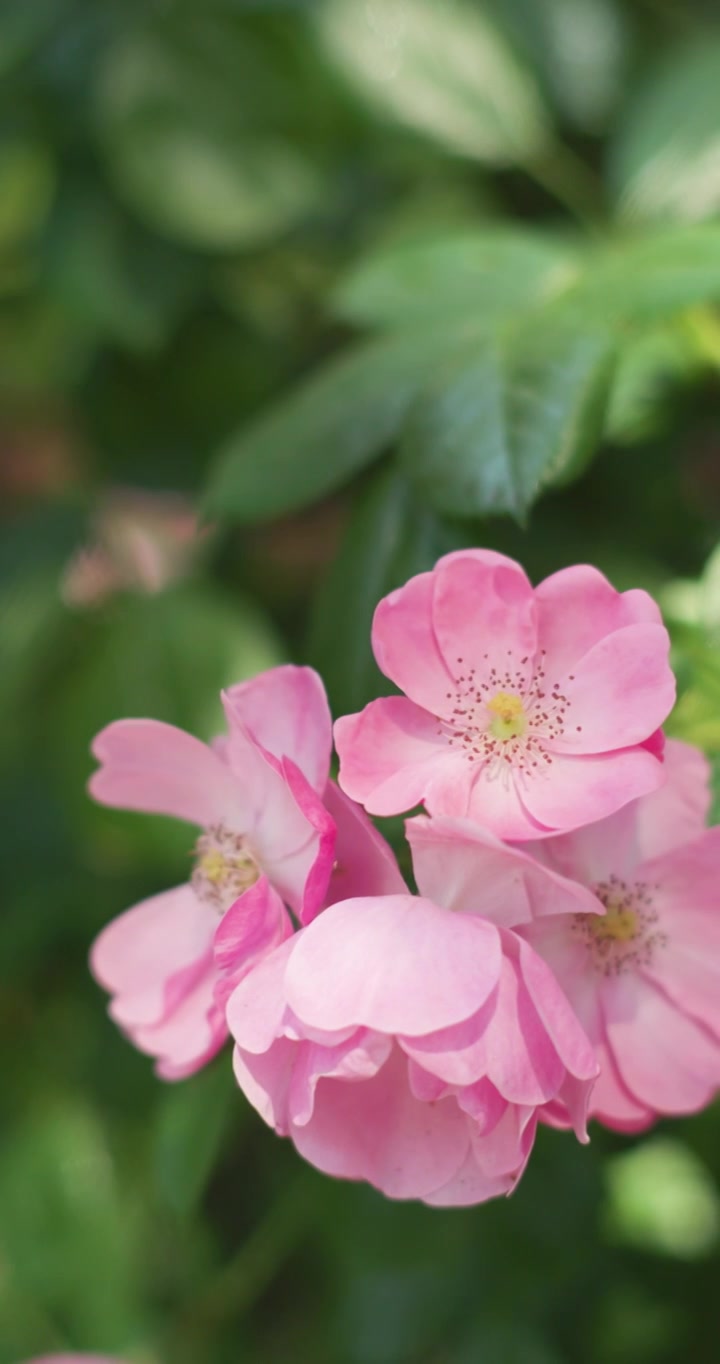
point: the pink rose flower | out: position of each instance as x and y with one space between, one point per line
645 978
412 1044
273 830
265 838
74 1359
528 710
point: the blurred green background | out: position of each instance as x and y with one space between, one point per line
352 283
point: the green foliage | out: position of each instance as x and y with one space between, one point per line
443 70
363 282
521 410
326 431
664 159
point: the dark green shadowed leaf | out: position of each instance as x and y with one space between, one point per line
390 537
315 439
515 414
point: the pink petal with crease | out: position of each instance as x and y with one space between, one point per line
154 767
285 711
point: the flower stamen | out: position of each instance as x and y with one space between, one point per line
224 867
625 937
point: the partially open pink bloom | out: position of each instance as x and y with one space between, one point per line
266 838
142 542
645 978
74 1359
404 1044
528 710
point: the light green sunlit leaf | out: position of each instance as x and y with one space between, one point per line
194 167
665 161
489 274
441 68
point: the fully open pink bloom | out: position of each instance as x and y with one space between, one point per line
528 710
402 1043
645 978
267 838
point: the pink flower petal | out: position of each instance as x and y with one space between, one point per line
667 1062
151 766
251 928
497 800
189 1037
265 1078
678 810
596 851
151 955
556 1014
577 607
256 1009
690 976
392 752
352 1061
364 863
398 964
494 1164
285 711
378 1132
294 840
463 867
612 1104
484 1104
580 789
74 1359
484 617
619 691
470 1186
405 646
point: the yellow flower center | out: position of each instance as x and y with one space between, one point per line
224 868
509 718
618 924
214 865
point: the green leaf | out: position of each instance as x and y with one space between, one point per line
500 273
442 69
68 1234
643 278
192 1122
491 274
515 414
578 49
665 162
184 151
318 437
651 367
389 538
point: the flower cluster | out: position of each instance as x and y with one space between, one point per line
558 957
